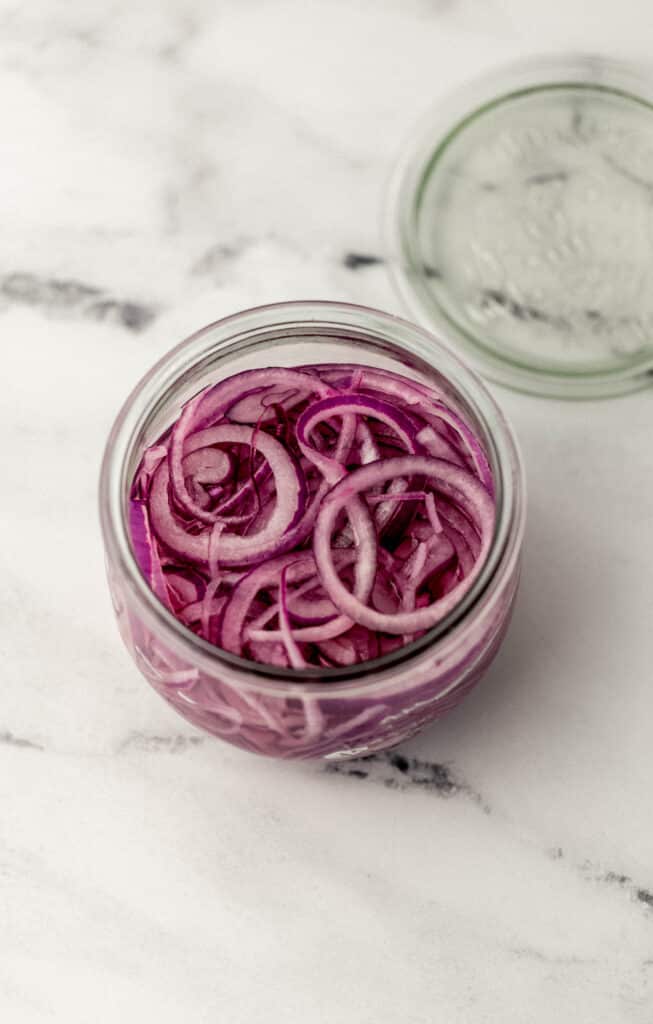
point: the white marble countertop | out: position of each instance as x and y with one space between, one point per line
164 164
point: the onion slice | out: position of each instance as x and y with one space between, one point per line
234 549
211 404
452 481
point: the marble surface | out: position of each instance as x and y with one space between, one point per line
164 164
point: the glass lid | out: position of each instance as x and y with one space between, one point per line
521 225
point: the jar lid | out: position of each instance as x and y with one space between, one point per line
521 224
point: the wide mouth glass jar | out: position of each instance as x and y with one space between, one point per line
519 222
313 712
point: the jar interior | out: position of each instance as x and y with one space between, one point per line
214 354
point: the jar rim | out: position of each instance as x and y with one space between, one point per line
418 161
225 336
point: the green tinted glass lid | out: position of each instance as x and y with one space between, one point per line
521 226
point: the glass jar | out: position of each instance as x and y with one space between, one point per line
310 713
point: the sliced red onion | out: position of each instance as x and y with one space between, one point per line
183 588
234 549
417 397
292 650
192 613
452 481
314 517
207 466
452 517
146 551
211 404
350 405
